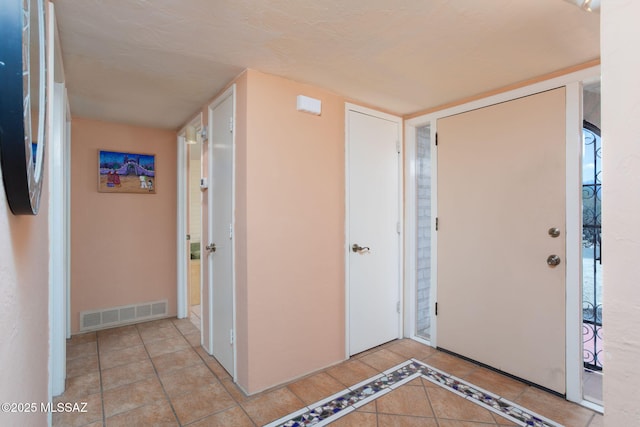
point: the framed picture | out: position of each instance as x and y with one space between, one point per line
121 172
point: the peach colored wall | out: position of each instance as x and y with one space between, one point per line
123 246
294 231
289 231
621 210
24 309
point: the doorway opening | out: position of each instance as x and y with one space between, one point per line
592 334
194 227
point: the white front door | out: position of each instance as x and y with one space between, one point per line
220 247
501 194
373 228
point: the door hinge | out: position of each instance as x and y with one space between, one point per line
230 231
230 124
188 236
436 308
436 139
398 229
398 146
436 223
231 337
398 306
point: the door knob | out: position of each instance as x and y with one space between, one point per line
357 248
554 232
553 260
211 247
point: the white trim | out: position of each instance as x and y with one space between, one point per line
433 286
230 92
181 227
67 202
59 210
182 219
411 230
202 279
593 406
573 242
347 193
582 75
58 240
374 113
572 82
400 217
398 120
410 236
234 374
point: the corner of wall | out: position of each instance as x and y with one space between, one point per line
295 187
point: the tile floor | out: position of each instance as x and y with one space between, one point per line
195 314
156 374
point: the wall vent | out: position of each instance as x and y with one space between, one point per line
115 316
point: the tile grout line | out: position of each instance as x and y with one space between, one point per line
104 415
426 392
173 410
219 380
486 395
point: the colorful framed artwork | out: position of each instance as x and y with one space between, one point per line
122 172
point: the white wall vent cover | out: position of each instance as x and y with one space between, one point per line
115 316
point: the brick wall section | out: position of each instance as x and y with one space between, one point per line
423 264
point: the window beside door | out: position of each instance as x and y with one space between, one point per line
423 227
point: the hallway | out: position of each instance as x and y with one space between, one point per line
156 374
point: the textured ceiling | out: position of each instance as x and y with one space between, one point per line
156 62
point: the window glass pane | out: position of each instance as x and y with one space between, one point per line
423 250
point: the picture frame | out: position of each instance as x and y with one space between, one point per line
126 172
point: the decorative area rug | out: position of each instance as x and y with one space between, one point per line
348 400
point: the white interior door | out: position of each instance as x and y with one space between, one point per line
373 229
501 188
220 248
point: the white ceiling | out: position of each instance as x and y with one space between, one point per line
156 62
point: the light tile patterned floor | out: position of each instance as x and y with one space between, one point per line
156 374
393 381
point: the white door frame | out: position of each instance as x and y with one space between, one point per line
230 92
183 218
411 221
59 238
59 160
573 185
374 113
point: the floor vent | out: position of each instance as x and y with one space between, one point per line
115 316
